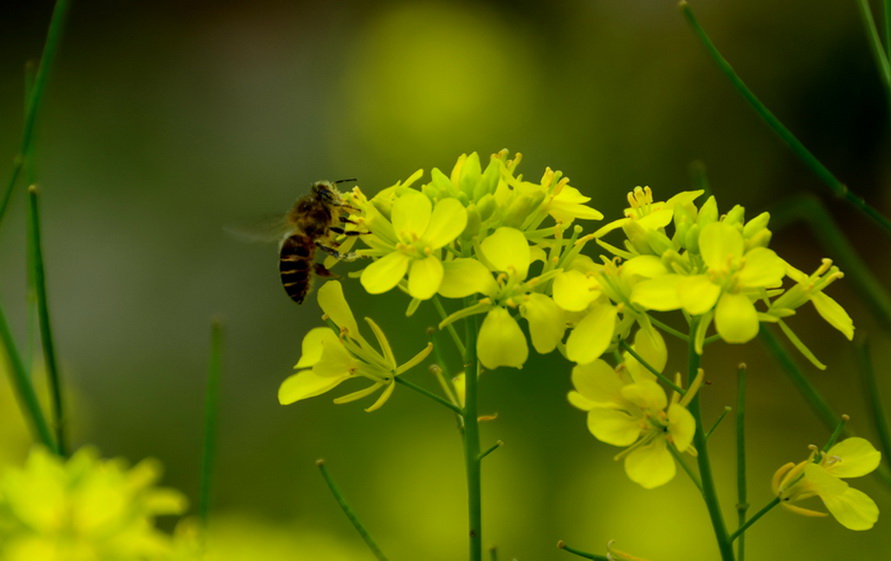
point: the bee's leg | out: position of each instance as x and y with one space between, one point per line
342 256
339 230
322 271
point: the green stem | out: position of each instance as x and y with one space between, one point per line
211 414
837 187
472 442
445 403
626 347
46 333
709 493
580 553
345 507
437 303
873 397
875 44
25 390
57 23
755 518
742 504
708 433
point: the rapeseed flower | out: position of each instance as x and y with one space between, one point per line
821 475
84 509
330 357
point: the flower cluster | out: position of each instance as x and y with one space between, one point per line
821 476
84 509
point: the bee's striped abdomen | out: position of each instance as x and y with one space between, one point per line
296 265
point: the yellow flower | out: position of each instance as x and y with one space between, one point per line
84 509
330 358
421 229
626 407
853 457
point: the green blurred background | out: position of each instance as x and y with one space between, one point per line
165 122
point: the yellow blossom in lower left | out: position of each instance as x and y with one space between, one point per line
84 509
330 358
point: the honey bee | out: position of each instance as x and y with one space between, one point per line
313 223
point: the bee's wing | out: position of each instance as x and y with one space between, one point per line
267 230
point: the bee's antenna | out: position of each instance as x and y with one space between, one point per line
346 180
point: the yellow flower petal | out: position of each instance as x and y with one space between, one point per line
698 294
659 293
425 277
736 318
312 347
463 277
719 243
546 323
763 267
613 426
681 426
834 314
599 384
334 304
508 251
411 215
574 290
592 335
446 223
650 465
501 342
385 273
852 457
305 384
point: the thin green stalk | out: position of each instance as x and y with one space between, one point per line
708 433
887 14
679 458
873 397
25 390
345 507
837 187
665 380
767 508
498 444
57 23
875 44
807 208
211 414
437 303
471 436
445 403
742 501
38 276
580 553
709 493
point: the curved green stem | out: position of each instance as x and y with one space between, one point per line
345 507
580 553
24 390
54 33
445 403
38 278
837 187
709 493
753 519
